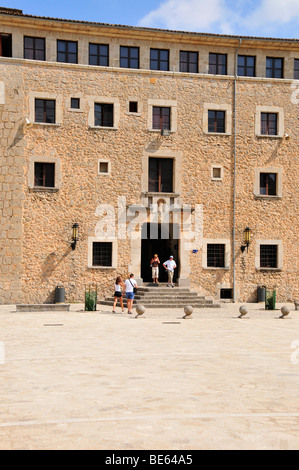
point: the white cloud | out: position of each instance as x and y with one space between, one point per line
246 17
188 14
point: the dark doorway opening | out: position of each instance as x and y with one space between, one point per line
163 240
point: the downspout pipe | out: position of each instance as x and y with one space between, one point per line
234 176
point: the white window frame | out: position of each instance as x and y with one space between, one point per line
103 100
162 104
280 121
256 187
45 96
91 241
216 241
279 254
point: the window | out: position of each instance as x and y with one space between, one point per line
103 167
99 54
296 69
217 173
159 59
216 121
102 254
246 65
103 114
75 103
218 64
216 255
45 111
67 51
160 179
268 123
161 117
133 107
274 67
44 174
268 256
226 293
5 45
189 61
34 48
129 57
268 184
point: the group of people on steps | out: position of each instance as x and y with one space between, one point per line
129 287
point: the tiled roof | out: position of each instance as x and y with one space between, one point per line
12 11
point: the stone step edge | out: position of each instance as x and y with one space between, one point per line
42 307
193 304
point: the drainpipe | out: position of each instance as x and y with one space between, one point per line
234 190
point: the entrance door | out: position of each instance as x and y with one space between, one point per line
159 239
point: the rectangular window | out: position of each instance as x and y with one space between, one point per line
161 117
268 256
44 174
99 54
216 255
274 67
189 61
268 123
45 111
216 121
34 48
129 57
67 51
103 167
160 177
246 65
133 107
5 45
103 115
296 69
75 103
102 254
268 185
218 64
159 59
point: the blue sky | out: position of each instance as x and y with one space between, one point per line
270 18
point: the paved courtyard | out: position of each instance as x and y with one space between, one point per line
98 380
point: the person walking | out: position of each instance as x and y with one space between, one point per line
170 266
118 293
130 286
155 268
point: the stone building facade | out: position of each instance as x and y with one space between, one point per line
151 141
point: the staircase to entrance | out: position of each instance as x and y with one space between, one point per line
161 296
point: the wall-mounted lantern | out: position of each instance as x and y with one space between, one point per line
75 236
246 239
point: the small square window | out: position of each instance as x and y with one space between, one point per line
75 103
103 167
216 173
133 107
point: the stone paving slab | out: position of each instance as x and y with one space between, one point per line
98 380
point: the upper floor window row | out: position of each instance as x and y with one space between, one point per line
159 59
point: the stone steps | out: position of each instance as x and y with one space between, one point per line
161 296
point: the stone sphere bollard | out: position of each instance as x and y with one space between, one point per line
140 309
243 311
188 311
285 311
